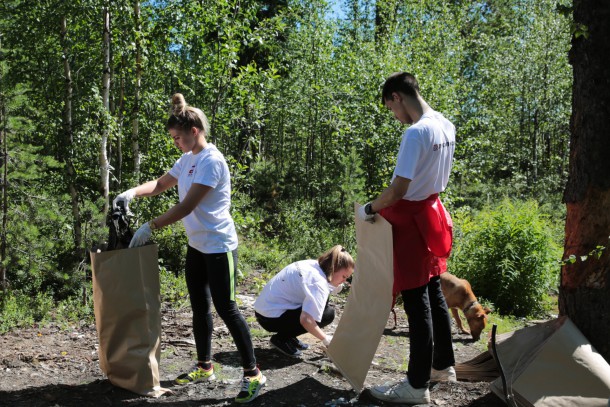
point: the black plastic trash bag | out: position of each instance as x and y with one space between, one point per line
120 232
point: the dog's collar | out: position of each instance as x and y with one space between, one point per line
472 304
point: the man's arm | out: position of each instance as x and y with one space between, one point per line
391 194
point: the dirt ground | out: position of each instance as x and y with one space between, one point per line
49 366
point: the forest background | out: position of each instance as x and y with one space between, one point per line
292 91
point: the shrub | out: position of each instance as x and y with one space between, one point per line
508 254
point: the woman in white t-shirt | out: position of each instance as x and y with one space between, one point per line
295 300
204 189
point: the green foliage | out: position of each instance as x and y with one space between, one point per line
22 310
173 288
266 259
508 254
292 94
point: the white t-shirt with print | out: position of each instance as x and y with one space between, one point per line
209 227
425 156
300 284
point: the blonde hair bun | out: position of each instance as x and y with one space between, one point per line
179 104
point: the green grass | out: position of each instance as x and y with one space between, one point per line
259 333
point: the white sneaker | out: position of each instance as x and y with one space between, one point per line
401 392
445 375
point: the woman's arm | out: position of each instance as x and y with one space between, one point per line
181 209
312 327
155 187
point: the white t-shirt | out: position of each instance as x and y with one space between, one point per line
209 226
425 156
301 284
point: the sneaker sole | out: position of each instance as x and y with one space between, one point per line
443 379
383 397
402 401
203 379
256 392
296 355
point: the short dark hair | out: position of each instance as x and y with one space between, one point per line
399 82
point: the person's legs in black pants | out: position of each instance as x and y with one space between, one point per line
222 281
212 277
196 275
328 316
417 307
288 325
441 326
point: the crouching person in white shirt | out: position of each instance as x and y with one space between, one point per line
295 300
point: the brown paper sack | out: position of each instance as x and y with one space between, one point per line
552 365
368 305
126 302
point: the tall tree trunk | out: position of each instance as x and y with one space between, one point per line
136 104
68 136
385 21
3 119
585 285
118 173
103 156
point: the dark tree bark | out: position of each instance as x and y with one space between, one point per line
4 162
585 284
385 21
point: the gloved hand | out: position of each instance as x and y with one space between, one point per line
326 341
337 289
125 198
364 216
141 236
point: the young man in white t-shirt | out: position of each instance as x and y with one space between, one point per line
422 237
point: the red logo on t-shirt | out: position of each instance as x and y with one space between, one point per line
191 171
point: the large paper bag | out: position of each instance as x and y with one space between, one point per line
126 300
553 365
369 302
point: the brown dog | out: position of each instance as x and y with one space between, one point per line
459 295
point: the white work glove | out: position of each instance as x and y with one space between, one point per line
141 236
326 341
124 197
336 290
364 216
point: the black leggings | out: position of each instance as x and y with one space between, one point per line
211 277
429 332
288 325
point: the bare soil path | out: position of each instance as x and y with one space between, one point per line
49 366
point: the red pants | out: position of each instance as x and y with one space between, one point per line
422 236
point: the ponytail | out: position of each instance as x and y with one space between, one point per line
336 258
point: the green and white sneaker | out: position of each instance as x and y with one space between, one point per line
250 386
197 374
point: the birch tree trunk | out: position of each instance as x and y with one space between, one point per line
584 293
119 140
69 137
136 104
103 156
